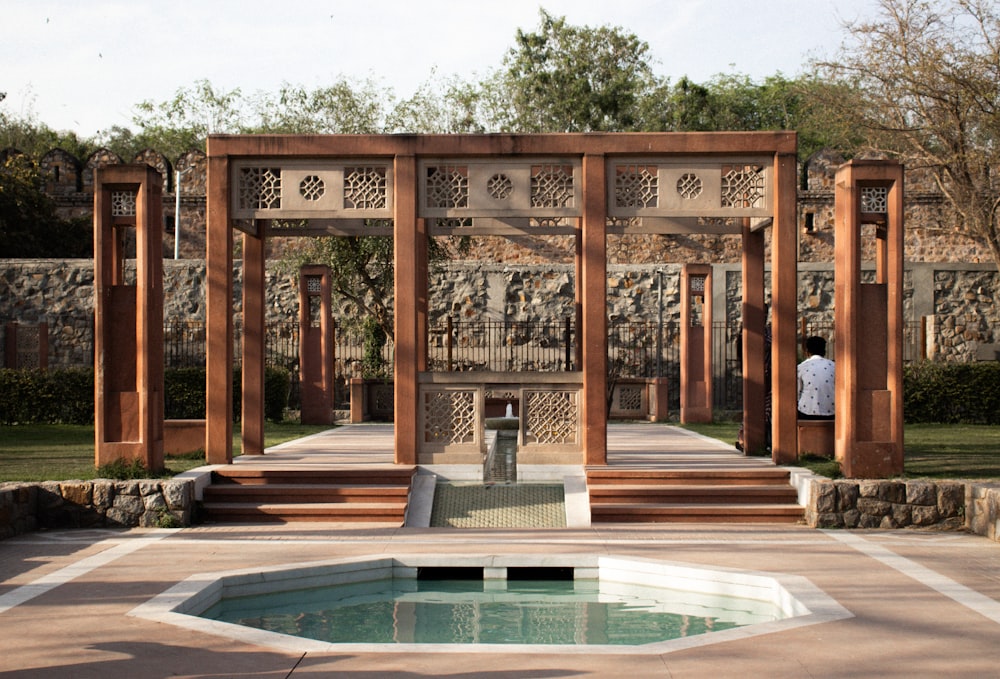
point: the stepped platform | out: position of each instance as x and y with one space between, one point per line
343 475
663 474
655 473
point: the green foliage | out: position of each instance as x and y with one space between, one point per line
183 123
47 396
66 396
277 386
566 78
29 225
34 138
373 363
952 393
923 86
165 519
124 470
184 393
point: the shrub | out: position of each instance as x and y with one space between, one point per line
277 385
66 396
47 396
952 393
124 470
184 393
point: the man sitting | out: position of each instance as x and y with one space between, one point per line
817 382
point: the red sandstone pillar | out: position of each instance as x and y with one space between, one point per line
219 311
316 346
754 332
784 313
869 320
128 337
696 343
252 375
410 264
593 301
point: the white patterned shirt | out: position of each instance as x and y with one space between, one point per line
817 384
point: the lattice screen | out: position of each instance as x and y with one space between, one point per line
552 417
449 416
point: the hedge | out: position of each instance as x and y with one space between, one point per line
47 396
66 396
952 393
948 393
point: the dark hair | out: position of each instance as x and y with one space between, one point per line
816 346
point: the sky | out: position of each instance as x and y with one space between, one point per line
84 65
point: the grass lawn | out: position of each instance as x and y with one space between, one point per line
60 452
937 451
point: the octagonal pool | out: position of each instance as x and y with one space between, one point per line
433 602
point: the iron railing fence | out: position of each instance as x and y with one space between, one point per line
914 338
501 346
636 349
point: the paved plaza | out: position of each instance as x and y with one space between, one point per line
920 603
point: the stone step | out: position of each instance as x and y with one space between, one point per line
697 477
693 494
250 512
275 493
696 513
401 475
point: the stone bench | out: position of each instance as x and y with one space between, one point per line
816 437
183 436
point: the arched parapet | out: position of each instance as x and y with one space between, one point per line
158 162
62 172
193 166
98 159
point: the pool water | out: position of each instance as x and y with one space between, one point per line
404 610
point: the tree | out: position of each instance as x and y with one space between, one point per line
29 225
567 78
925 78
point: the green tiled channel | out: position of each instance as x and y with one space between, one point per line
501 506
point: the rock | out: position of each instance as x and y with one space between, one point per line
921 493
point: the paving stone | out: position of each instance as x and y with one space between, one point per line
498 506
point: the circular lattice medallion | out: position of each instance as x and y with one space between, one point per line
500 186
689 186
312 188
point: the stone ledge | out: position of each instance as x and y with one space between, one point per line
920 503
99 503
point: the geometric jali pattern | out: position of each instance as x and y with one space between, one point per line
689 186
636 186
552 186
29 339
259 188
312 188
447 186
743 186
365 188
450 417
123 203
875 199
500 187
552 417
630 397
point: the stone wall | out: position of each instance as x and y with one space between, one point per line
892 504
958 301
27 507
887 504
